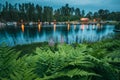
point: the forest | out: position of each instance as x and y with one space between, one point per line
31 12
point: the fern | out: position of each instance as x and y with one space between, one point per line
7 58
69 73
14 68
64 62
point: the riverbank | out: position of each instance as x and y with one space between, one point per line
117 28
30 48
2 24
58 23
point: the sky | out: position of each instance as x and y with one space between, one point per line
87 5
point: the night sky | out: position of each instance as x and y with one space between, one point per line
87 5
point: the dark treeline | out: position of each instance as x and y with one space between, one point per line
30 12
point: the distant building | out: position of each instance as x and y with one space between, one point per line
84 19
98 19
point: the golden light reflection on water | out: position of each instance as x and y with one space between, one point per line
54 26
22 27
68 27
39 27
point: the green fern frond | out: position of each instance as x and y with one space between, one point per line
70 73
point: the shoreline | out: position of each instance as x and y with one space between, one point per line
59 23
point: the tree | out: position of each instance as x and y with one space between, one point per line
0 7
77 12
103 14
16 12
11 13
67 10
72 11
0 12
106 14
83 13
89 15
4 13
22 11
95 15
48 14
39 12
57 15
30 12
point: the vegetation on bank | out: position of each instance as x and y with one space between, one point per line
117 26
30 12
93 61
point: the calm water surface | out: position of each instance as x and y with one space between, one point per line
14 35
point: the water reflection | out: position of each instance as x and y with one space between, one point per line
58 33
93 27
68 26
74 26
54 26
98 25
39 27
22 27
87 27
82 27
62 39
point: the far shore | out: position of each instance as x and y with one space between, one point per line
58 23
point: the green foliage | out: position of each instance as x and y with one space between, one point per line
7 58
29 12
117 26
14 68
108 51
66 62
95 61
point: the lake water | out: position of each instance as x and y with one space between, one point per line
14 35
